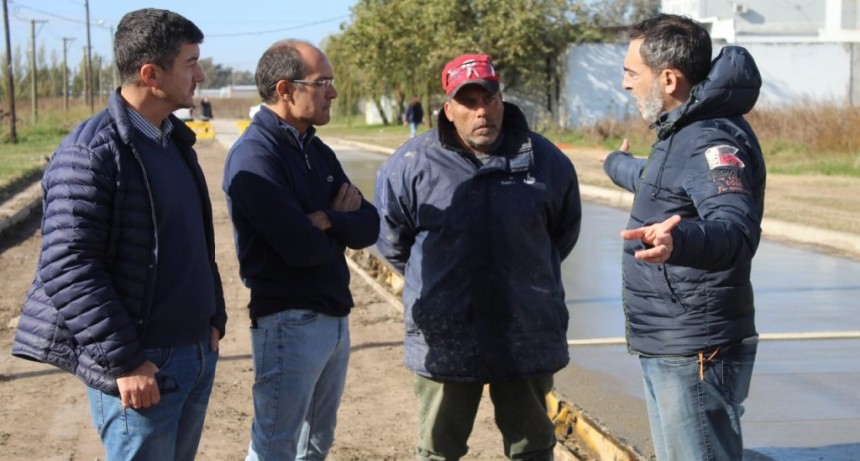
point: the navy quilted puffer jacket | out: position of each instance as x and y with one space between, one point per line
93 288
707 167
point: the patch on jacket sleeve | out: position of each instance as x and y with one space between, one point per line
723 156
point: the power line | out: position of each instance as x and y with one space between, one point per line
262 32
18 6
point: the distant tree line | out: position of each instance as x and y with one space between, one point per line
397 48
49 75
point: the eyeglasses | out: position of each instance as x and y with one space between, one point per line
471 69
321 83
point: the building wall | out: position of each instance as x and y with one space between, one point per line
792 73
757 16
593 84
795 73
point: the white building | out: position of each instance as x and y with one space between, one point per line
806 51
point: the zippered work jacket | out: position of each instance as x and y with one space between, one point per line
481 245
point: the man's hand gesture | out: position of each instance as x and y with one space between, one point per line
657 236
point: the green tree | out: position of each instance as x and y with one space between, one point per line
616 13
243 77
393 48
219 76
55 75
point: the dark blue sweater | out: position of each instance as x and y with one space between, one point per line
184 296
272 183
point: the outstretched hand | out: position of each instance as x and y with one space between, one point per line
658 236
625 147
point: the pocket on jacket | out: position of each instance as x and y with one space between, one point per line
665 283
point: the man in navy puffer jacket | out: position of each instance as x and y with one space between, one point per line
693 230
127 294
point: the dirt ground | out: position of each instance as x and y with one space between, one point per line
44 413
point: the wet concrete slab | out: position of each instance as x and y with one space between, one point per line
804 402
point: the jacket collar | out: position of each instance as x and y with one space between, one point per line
269 121
183 136
516 147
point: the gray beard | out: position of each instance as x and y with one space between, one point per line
652 105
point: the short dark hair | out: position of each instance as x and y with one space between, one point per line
671 41
151 36
282 61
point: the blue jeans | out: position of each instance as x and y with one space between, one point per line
698 419
413 129
300 361
171 429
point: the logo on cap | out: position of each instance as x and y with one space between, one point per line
469 69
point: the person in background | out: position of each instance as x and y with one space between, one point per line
414 116
127 295
294 212
478 214
205 109
694 228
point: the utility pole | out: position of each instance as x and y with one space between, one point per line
66 41
34 87
10 79
89 71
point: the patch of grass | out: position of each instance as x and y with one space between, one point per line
23 162
808 138
392 135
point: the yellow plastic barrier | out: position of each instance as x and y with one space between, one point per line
203 130
242 125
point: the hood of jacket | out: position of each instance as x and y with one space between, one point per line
731 88
514 126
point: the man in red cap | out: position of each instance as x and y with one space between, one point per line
477 215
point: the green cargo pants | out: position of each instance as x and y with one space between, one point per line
447 410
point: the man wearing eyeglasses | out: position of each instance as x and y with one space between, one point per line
478 214
294 212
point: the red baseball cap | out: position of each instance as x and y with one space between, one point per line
469 69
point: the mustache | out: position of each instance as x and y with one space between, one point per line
484 124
